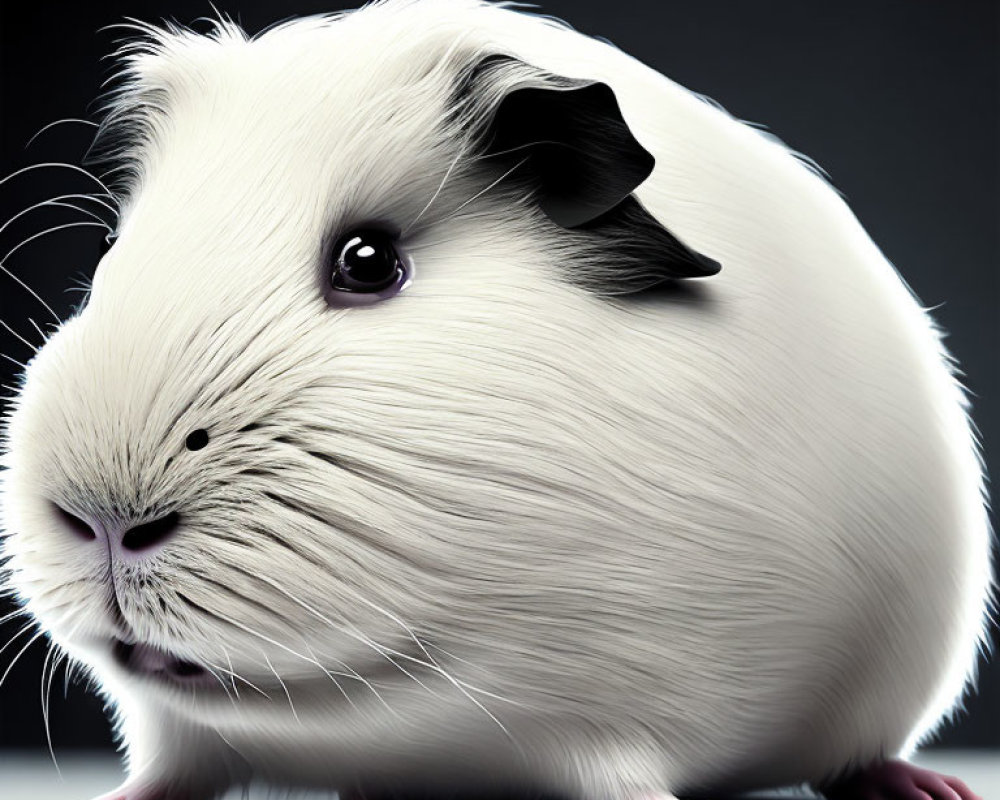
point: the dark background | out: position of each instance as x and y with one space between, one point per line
896 99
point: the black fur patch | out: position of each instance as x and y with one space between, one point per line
569 142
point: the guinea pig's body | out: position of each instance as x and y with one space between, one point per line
500 529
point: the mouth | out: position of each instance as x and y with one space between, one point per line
151 662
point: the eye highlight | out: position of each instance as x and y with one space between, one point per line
365 267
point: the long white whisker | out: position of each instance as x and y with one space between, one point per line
283 688
46 694
430 202
225 688
267 639
56 201
480 193
335 681
16 612
14 361
235 675
351 673
18 656
52 230
42 333
211 671
24 629
16 335
434 664
298 655
235 749
387 654
469 686
67 677
232 676
383 651
59 122
32 238
57 164
70 663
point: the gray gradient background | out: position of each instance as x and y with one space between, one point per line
896 99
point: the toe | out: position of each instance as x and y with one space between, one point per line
963 791
937 787
900 780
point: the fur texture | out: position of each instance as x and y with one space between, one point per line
499 528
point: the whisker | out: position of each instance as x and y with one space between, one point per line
480 193
32 238
46 164
18 656
55 201
71 664
46 692
430 202
384 651
67 677
335 681
59 122
315 662
44 336
47 232
354 633
232 677
353 673
24 629
18 336
283 687
212 668
253 686
472 688
434 664
211 671
222 618
16 612
14 361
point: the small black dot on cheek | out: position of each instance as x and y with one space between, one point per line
196 439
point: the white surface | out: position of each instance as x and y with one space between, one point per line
31 776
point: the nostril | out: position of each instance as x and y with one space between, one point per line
74 523
196 439
150 533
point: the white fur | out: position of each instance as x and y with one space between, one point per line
627 546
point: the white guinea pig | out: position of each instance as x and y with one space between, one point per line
465 404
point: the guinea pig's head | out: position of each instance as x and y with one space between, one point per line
339 393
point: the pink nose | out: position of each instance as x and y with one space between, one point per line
143 538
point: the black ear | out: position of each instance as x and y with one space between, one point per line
580 152
568 139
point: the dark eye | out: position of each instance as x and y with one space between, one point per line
367 267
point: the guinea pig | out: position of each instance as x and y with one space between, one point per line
462 403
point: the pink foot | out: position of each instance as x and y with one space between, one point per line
899 780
